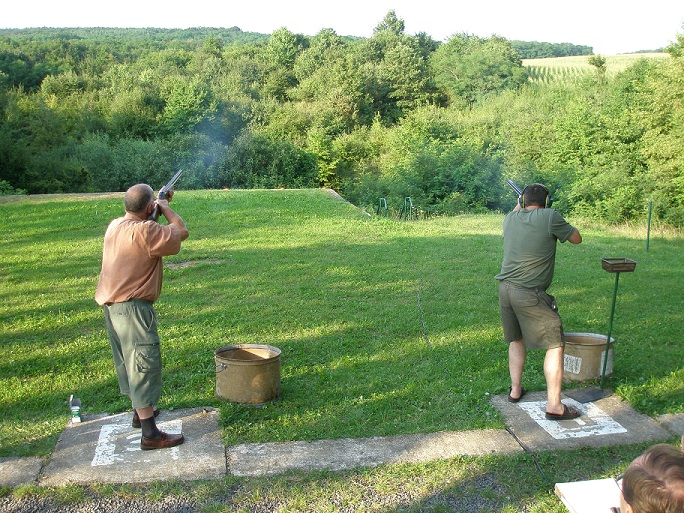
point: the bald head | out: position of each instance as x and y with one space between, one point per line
138 197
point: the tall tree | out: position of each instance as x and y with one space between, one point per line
390 23
280 53
395 67
470 67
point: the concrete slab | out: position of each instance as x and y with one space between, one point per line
19 471
348 453
106 449
673 423
607 421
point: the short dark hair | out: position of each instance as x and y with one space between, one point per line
138 197
535 194
654 482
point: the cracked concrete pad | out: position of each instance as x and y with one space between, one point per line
19 471
348 453
606 421
106 449
673 422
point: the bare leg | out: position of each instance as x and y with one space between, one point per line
145 413
517 353
553 372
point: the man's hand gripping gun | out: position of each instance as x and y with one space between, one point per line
163 194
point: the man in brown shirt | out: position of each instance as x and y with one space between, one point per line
130 282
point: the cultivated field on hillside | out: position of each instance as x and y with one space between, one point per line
554 69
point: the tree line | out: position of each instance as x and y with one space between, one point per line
390 116
541 50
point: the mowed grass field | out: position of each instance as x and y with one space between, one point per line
385 326
560 69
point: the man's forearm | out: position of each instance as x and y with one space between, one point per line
176 220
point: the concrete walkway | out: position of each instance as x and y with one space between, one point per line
106 449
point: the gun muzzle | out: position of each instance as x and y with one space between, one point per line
513 186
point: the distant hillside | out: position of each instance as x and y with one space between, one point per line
539 50
234 35
229 35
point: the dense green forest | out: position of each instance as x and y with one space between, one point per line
540 50
390 116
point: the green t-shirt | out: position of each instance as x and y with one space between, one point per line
530 246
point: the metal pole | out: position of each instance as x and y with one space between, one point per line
610 330
648 231
382 207
408 208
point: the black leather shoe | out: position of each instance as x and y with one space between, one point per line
136 420
164 441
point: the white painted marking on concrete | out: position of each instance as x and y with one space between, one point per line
594 421
117 444
105 451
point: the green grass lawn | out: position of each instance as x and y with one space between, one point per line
337 291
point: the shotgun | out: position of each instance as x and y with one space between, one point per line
163 193
512 185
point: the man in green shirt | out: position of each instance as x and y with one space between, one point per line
529 315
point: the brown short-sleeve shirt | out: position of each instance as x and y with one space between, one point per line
132 259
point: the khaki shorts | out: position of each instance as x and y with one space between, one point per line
530 314
132 329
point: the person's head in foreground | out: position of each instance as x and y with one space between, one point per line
654 482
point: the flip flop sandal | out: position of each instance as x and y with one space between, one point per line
569 413
515 399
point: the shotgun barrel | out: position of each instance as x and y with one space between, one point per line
163 193
513 186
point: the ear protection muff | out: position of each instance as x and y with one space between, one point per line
547 196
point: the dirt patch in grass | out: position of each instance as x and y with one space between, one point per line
188 263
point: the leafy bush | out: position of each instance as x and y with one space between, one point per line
255 161
6 189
